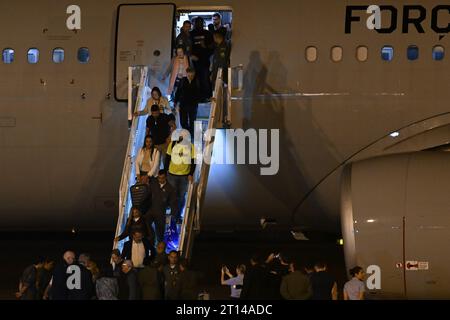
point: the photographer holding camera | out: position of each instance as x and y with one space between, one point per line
277 267
235 283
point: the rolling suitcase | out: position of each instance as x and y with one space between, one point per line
141 197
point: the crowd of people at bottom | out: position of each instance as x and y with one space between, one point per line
140 273
279 277
132 275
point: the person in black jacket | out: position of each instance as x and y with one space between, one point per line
188 97
171 273
323 284
255 281
136 222
86 291
142 246
277 266
221 57
150 280
202 46
129 288
57 289
158 126
218 26
163 197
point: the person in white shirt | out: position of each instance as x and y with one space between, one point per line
137 249
147 160
138 253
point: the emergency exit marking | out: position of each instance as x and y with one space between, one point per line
416 265
412 265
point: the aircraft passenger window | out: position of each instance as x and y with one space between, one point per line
438 53
362 53
33 55
336 54
413 52
387 53
311 54
58 55
83 55
8 55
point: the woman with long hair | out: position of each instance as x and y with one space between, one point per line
136 222
177 69
156 99
147 160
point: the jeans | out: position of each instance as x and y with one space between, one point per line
180 184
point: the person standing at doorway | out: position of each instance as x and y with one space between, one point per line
184 38
218 26
202 46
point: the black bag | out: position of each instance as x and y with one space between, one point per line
141 196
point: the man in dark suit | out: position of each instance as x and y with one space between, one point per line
202 46
163 196
86 290
58 285
138 249
187 98
255 281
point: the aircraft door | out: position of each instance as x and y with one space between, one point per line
373 222
144 36
427 228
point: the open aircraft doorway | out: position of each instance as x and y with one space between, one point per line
207 15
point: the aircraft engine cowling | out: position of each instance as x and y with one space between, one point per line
395 214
